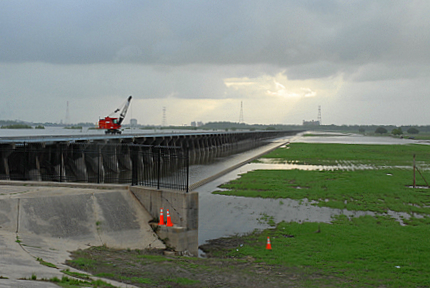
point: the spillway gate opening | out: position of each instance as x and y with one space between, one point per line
134 164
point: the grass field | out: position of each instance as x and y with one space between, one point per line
359 252
327 154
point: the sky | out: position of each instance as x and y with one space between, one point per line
363 62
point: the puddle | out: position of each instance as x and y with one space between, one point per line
239 215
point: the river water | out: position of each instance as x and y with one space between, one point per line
221 216
85 131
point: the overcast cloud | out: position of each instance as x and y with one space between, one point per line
364 62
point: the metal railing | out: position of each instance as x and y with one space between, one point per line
153 166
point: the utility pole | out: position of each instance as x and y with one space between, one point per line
241 113
67 114
164 117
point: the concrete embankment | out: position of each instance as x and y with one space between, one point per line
95 216
49 221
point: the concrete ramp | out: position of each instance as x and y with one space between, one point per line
48 222
96 217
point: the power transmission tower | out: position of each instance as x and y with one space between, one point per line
67 122
241 113
164 117
319 115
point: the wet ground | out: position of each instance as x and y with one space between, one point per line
221 216
150 268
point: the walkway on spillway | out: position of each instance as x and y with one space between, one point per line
104 137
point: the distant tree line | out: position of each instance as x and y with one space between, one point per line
234 126
396 131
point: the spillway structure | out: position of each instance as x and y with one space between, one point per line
154 160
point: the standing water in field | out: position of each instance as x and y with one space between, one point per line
221 216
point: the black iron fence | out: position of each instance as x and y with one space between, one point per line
154 166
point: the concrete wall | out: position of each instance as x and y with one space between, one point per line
184 212
92 215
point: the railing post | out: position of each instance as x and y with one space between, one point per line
61 163
134 152
98 163
159 168
187 162
26 156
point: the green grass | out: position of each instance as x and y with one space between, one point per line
139 280
380 189
266 219
67 282
153 258
76 274
358 252
362 190
330 154
84 263
48 264
361 252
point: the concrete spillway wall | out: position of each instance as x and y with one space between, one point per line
85 215
111 160
184 211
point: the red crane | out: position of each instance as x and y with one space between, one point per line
111 124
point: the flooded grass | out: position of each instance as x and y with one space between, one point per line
331 154
361 190
365 251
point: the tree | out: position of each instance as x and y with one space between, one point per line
381 130
413 130
361 130
397 131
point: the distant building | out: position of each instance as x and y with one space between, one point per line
133 122
311 123
196 124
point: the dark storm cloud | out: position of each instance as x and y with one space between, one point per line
309 38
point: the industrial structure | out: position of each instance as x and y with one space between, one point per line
113 124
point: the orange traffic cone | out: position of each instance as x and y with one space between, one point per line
169 221
161 223
268 245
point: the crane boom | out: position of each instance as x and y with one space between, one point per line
124 110
111 124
